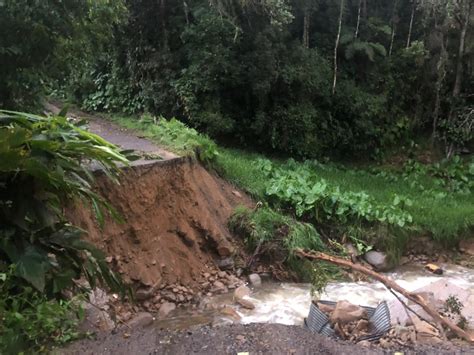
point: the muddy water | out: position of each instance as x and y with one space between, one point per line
288 303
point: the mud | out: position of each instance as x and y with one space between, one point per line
175 222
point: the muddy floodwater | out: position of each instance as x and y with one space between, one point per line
288 303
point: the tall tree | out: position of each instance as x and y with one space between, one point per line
336 46
462 16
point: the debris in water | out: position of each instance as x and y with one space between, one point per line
435 269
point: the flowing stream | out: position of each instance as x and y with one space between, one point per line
288 303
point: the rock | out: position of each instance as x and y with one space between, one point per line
377 259
219 287
255 280
364 343
225 264
362 326
245 303
125 316
206 275
95 319
141 320
384 343
224 250
401 331
143 294
346 312
230 312
236 193
165 309
425 332
325 308
467 246
241 292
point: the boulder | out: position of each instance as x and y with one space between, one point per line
245 303
425 332
377 259
241 292
141 320
325 307
225 263
467 246
165 309
255 279
219 287
95 319
346 312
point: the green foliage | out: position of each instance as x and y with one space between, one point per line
45 162
276 236
447 176
297 186
31 321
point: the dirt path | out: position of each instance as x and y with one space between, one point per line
123 137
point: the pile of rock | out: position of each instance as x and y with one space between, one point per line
165 298
349 321
217 282
420 332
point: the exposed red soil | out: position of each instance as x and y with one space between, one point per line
175 222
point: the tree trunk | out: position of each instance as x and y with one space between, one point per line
394 27
336 46
306 23
441 73
391 285
364 8
462 39
410 28
356 34
186 12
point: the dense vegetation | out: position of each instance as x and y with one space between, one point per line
45 162
304 78
306 84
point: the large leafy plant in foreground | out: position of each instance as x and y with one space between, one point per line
44 163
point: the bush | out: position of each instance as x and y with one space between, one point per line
44 162
29 320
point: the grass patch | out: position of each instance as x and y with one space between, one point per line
434 209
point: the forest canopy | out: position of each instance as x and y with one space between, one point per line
306 78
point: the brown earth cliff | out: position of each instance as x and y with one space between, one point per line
175 222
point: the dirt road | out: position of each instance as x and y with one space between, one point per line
125 138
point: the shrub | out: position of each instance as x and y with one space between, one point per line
44 162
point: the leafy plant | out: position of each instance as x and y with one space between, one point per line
29 319
276 236
299 188
44 163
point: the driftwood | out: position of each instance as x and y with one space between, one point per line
390 284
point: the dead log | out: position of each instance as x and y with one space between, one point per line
313 255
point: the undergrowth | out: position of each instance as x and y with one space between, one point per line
29 320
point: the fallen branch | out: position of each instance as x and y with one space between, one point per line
313 255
